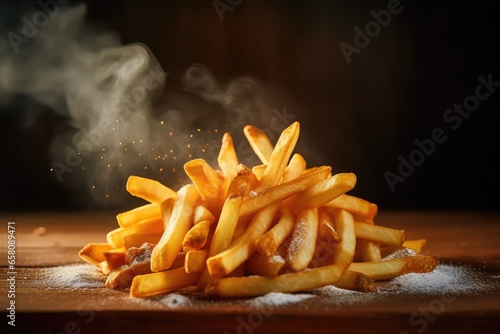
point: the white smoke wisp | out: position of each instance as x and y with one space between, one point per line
117 125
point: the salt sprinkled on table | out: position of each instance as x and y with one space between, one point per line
75 276
278 299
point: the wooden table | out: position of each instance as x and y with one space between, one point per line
459 238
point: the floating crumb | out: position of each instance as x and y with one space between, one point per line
40 231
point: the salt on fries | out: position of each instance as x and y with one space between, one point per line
239 231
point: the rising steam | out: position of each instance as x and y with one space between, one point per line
106 90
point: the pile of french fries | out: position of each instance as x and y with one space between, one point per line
236 231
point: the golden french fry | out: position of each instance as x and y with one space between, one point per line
147 211
295 168
115 237
104 267
196 237
242 248
259 142
258 265
343 254
195 261
209 183
161 282
202 214
388 269
415 245
170 244
324 191
115 258
150 190
327 226
93 253
272 239
250 286
356 281
166 208
258 200
380 234
119 278
303 240
280 156
355 205
259 170
245 175
370 251
227 158
224 230
138 239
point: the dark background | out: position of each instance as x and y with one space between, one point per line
356 117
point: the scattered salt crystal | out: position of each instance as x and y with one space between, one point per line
253 193
83 276
174 300
276 258
278 298
338 296
404 252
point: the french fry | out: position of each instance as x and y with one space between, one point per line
195 261
242 248
138 239
225 229
327 226
115 237
93 253
280 156
259 142
196 237
272 239
355 205
352 280
295 168
161 282
115 258
170 244
258 201
166 208
414 245
370 251
251 286
209 183
380 234
147 211
258 171
303 240
227 158
245 175
150 190
345 226
202 214
324 191
389 269
262 266
104 267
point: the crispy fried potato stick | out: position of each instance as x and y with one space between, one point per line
356 281
147 211
196 237
201 214
138 239
380 234
280 156
115 258
166 208
324 191
355 205
415 245
268 244
327 226
303 240
245 175
242 248
227 158
295 168
370 251
251 286
170 244
257 201
389 269
344 253
262 266
260 143
259 170
224 230
115 237
209 183
93 253
195 261
161 282
150 190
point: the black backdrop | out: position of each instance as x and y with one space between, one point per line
361 116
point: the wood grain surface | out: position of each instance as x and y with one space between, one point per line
460 239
